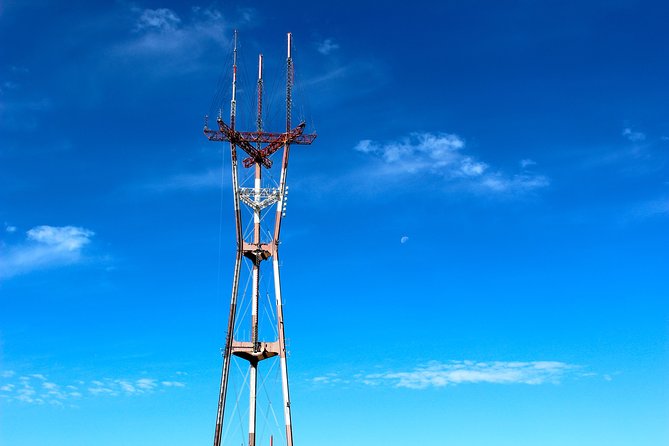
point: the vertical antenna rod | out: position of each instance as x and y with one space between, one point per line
260 92
289 83
233 101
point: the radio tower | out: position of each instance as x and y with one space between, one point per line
257 246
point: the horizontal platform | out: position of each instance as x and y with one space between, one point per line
258 252
263 350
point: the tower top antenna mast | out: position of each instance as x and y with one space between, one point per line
289 82
233 101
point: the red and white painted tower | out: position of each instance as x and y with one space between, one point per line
258 230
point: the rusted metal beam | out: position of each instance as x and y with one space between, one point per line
246 141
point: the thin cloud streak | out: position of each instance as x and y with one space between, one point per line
39 389
337 73
437 374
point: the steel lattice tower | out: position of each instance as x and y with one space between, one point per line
258 249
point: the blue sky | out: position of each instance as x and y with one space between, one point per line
475 248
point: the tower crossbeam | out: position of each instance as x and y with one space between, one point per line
246 140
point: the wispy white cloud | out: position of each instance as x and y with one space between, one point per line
329 378
179 42
327 46
45 246
527 163
98 389
162 19
442 374
10 228
633 135
68 238
437 374
146 383
425 151
173 384
498 182
39 389
115 387
442 154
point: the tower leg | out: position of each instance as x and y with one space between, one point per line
227 353
253 376
282 354
253 383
